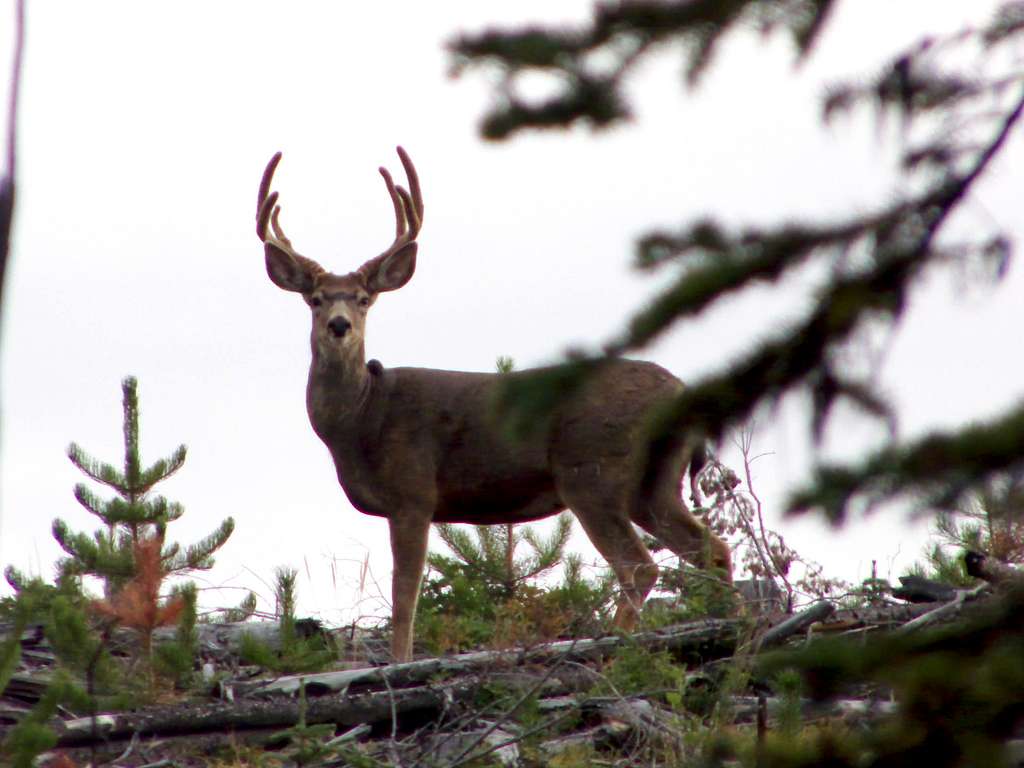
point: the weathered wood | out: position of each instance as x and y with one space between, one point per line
944 612
701 640
453 748
345 711
704 639
879 616
917 589
797 623
590 739
745 709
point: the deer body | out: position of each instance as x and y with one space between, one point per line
416 427
420 446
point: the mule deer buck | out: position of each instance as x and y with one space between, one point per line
420 446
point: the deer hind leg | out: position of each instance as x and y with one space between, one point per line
602 510
667 519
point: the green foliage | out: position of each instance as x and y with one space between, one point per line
696 594
584 605
74 640
587 64
295 654
32 735
176 659
989 521
132 515
19 611
492 559
306 744
243 612
966 79
960 694
487 594
636 670
960 690
788 686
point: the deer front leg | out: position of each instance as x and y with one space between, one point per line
409 556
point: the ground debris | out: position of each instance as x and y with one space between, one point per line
548 702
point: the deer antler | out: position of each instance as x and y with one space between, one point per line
268 212
408 206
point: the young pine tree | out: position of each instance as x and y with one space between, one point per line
132 517
990 521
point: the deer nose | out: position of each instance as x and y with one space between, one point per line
339 326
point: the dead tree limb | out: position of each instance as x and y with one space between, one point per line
944 612
346 711
700 641
797 623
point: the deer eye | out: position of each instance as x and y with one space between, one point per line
315 301
364 301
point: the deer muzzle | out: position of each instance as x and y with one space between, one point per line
339 326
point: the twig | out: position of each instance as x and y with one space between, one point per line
462 756
394 707
131 747
747 441
549 723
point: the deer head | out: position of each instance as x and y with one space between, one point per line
339 303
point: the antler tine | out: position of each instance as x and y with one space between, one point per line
414 182
268 211
264 213
408 205
268 177
395 201
278 231
411 217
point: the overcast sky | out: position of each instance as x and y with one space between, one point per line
145 127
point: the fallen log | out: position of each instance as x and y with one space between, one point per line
797 623
347 711
745 708
697 641
917 589
944 612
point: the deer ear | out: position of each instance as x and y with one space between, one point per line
290 272
395 270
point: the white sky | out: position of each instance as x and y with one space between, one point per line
143 134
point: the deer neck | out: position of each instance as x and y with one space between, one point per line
338 389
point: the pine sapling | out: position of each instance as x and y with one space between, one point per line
132 516
137 605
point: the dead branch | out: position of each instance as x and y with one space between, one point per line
346 711
703 640
944 612
797 623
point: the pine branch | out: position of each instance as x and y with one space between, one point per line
162 469
99 471
619 36
459 542
130 405
938 469
547 552
90 501
200 555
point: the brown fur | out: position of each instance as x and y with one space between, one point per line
420 446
